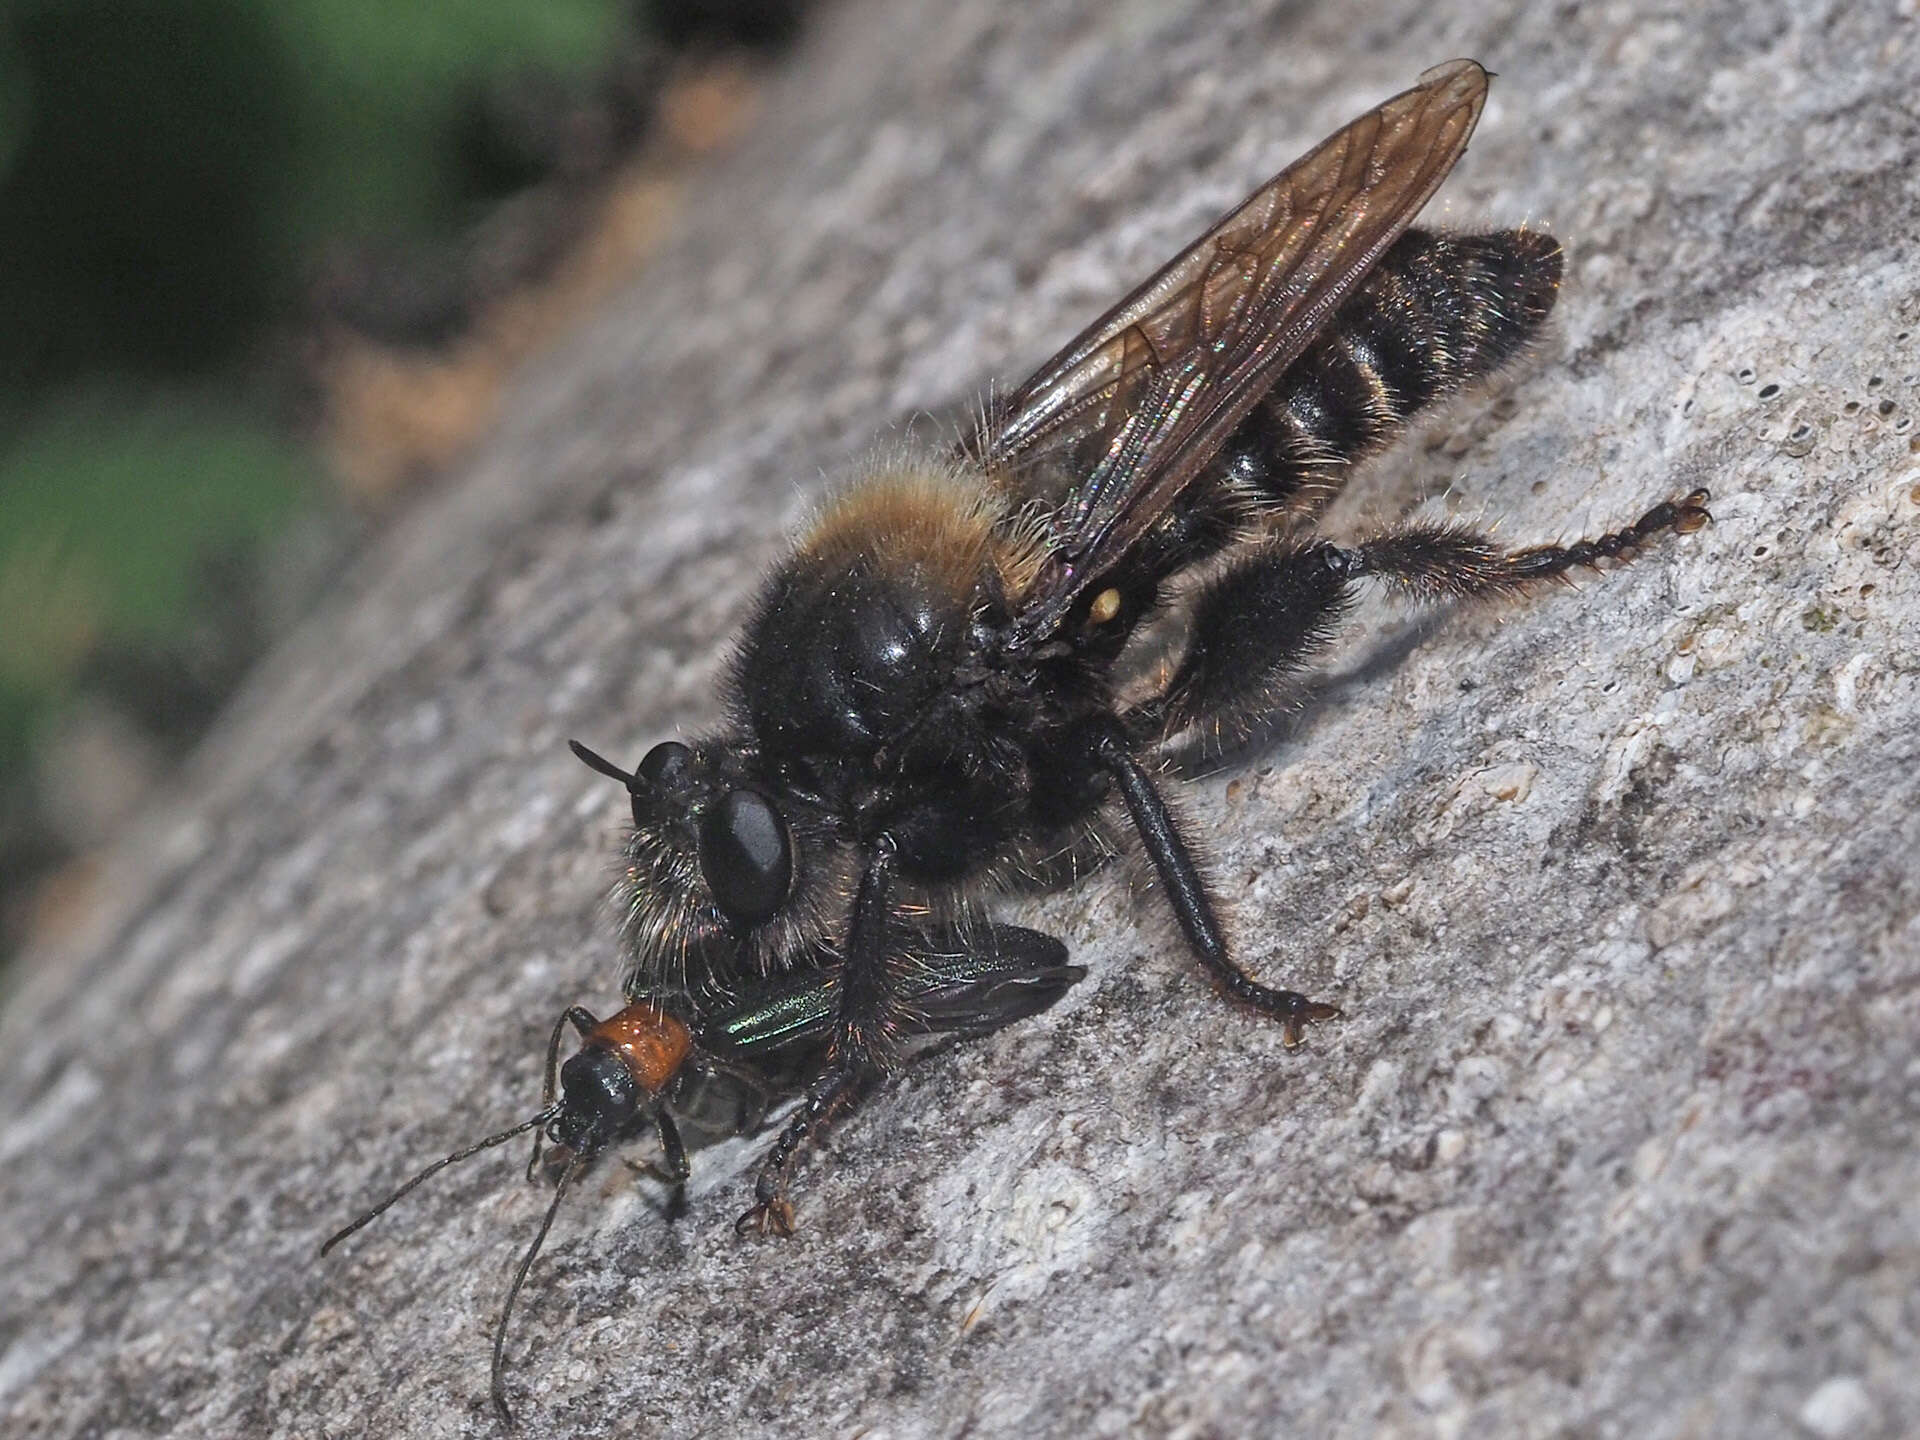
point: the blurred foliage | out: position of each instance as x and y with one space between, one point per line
91 548
192 191
386 88
171 165
132 527
171 173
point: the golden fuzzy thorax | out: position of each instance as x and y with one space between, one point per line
939 520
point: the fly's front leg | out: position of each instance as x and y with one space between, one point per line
829 1096
1187 891
861 1030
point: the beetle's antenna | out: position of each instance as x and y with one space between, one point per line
436 1168
574 1167
605 766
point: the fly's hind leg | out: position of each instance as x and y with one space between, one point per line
1270 613
1450 562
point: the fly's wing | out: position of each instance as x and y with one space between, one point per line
966 982
1131 411
986 978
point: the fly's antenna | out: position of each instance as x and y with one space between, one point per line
434 1169
604 766
499 1386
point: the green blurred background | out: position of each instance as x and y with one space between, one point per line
198 198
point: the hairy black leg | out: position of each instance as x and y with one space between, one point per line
1253 626
869 1004
1188 894
582 1020
829 1096
1451 562
1269 613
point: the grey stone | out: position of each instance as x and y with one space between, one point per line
1617 886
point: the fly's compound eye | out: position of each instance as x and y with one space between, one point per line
745 856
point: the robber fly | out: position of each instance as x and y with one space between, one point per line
927 696
719 1073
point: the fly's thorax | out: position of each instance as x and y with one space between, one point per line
896 592
953 521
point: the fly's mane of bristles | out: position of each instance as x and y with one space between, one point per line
943 519
654 898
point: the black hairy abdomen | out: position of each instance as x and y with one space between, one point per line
1436 314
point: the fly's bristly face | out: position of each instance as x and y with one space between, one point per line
725 874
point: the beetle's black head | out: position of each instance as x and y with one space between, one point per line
599 1098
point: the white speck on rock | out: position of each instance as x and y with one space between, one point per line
1840 1406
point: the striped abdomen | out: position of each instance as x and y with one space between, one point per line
1438 313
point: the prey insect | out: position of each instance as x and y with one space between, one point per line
719 1073
929 697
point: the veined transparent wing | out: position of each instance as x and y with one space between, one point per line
1132 410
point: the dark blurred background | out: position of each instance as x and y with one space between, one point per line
263 270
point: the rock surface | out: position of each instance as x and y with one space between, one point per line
1618 887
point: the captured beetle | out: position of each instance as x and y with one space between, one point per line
719 1073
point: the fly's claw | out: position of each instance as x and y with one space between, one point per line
1693 513
1683 517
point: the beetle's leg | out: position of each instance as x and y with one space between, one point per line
673 1155
758 1096
1187 891
861 1030
583 1021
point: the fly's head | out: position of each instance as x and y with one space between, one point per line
727 874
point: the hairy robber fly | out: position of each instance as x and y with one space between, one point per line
928 696
720 1073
